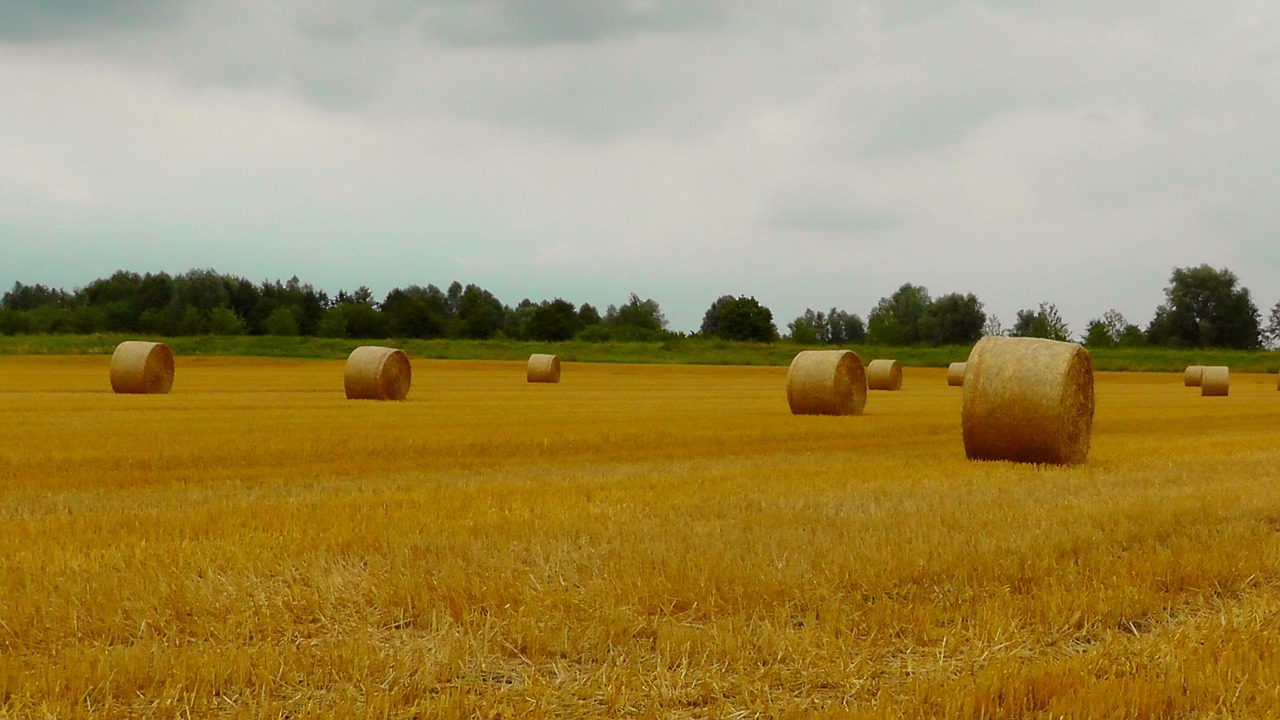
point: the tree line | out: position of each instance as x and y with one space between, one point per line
1203 307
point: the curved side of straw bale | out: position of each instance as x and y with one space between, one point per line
884 375
826 382
1216 381
1192 375
955 374
377 373
139 367
543 368
1027 400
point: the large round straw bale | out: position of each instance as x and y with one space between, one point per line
884 375
377 373
1191 376
543 368
1027 400
140 367
1215 381
826 382
955 374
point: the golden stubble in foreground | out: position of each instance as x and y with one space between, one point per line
635 541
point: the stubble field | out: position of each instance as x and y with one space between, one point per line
635 541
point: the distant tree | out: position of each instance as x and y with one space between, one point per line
1046 322
953 319
1096 335
744 318
415 312
225 321
895 320
1106 331
1205 307
844 328
202 290
516 320
588 315
711 318
481 314
281 322
804 331
1273 326
192 322
30 297
993 326
553 321
637 313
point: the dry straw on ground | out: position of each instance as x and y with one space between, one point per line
826 382
139 367
1028 400
955 374
1191 376
543 368
884 375
377 373
1215 381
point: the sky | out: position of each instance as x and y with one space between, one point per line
810 154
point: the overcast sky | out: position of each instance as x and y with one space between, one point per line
811 154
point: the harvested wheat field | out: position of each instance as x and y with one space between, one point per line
647 541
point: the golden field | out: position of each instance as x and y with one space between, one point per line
637 541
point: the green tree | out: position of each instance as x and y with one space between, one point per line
953 319
896 320
1272 330
637 313
553 321
225 321
481 314
744 318
1045 322
416 312
1205 307
192 322
281 322
711 318
588 315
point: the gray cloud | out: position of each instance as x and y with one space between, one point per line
810 154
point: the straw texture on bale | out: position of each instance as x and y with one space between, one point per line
139 367
1191 376
884 375
826 382
1215 382
955 374
377 373
1027 400
543 369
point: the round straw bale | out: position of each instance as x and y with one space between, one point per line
377 373
139 367
955 374
826 382
884 375
1191 376
1215 381
543 369
1027 400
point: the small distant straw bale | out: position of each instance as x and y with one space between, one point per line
377 373
139 367
955 374
1215 382
1191 376
1028 400
826 382
884 375
543 369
